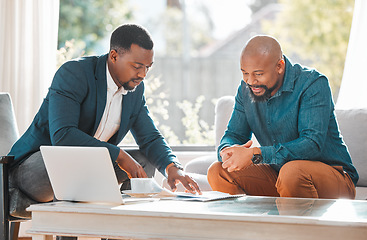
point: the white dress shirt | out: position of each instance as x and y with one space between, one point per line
111 119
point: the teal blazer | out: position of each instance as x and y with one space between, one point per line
71 112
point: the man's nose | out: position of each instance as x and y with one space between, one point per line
249 80
143 72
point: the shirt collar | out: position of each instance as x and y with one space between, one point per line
111 85
289 77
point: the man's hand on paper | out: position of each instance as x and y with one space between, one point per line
176 175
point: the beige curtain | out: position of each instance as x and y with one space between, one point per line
352 94
28 44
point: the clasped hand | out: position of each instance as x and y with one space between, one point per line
237 157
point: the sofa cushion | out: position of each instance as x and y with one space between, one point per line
200 165
353 127
361 193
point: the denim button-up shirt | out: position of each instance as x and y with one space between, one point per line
297 123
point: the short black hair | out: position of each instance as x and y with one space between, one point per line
127 34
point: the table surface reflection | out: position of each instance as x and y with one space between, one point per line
326 210
342 210
247 217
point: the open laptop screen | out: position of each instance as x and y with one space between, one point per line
81 174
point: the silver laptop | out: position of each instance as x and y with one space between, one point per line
83 174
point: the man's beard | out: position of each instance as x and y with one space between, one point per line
264 97
128 88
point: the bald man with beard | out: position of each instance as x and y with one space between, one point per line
290 110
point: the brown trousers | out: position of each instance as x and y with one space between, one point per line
299 178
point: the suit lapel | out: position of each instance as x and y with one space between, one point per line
101 83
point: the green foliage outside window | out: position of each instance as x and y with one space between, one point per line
318 32
197 130
89 21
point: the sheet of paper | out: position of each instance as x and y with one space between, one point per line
149 188
132 200
204 197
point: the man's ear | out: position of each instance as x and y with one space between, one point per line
281 66
113 55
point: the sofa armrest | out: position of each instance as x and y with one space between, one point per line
353 125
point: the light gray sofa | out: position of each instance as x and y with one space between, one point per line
352 123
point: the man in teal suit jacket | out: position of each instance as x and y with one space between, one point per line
78 105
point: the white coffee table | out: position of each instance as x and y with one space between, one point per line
243 218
